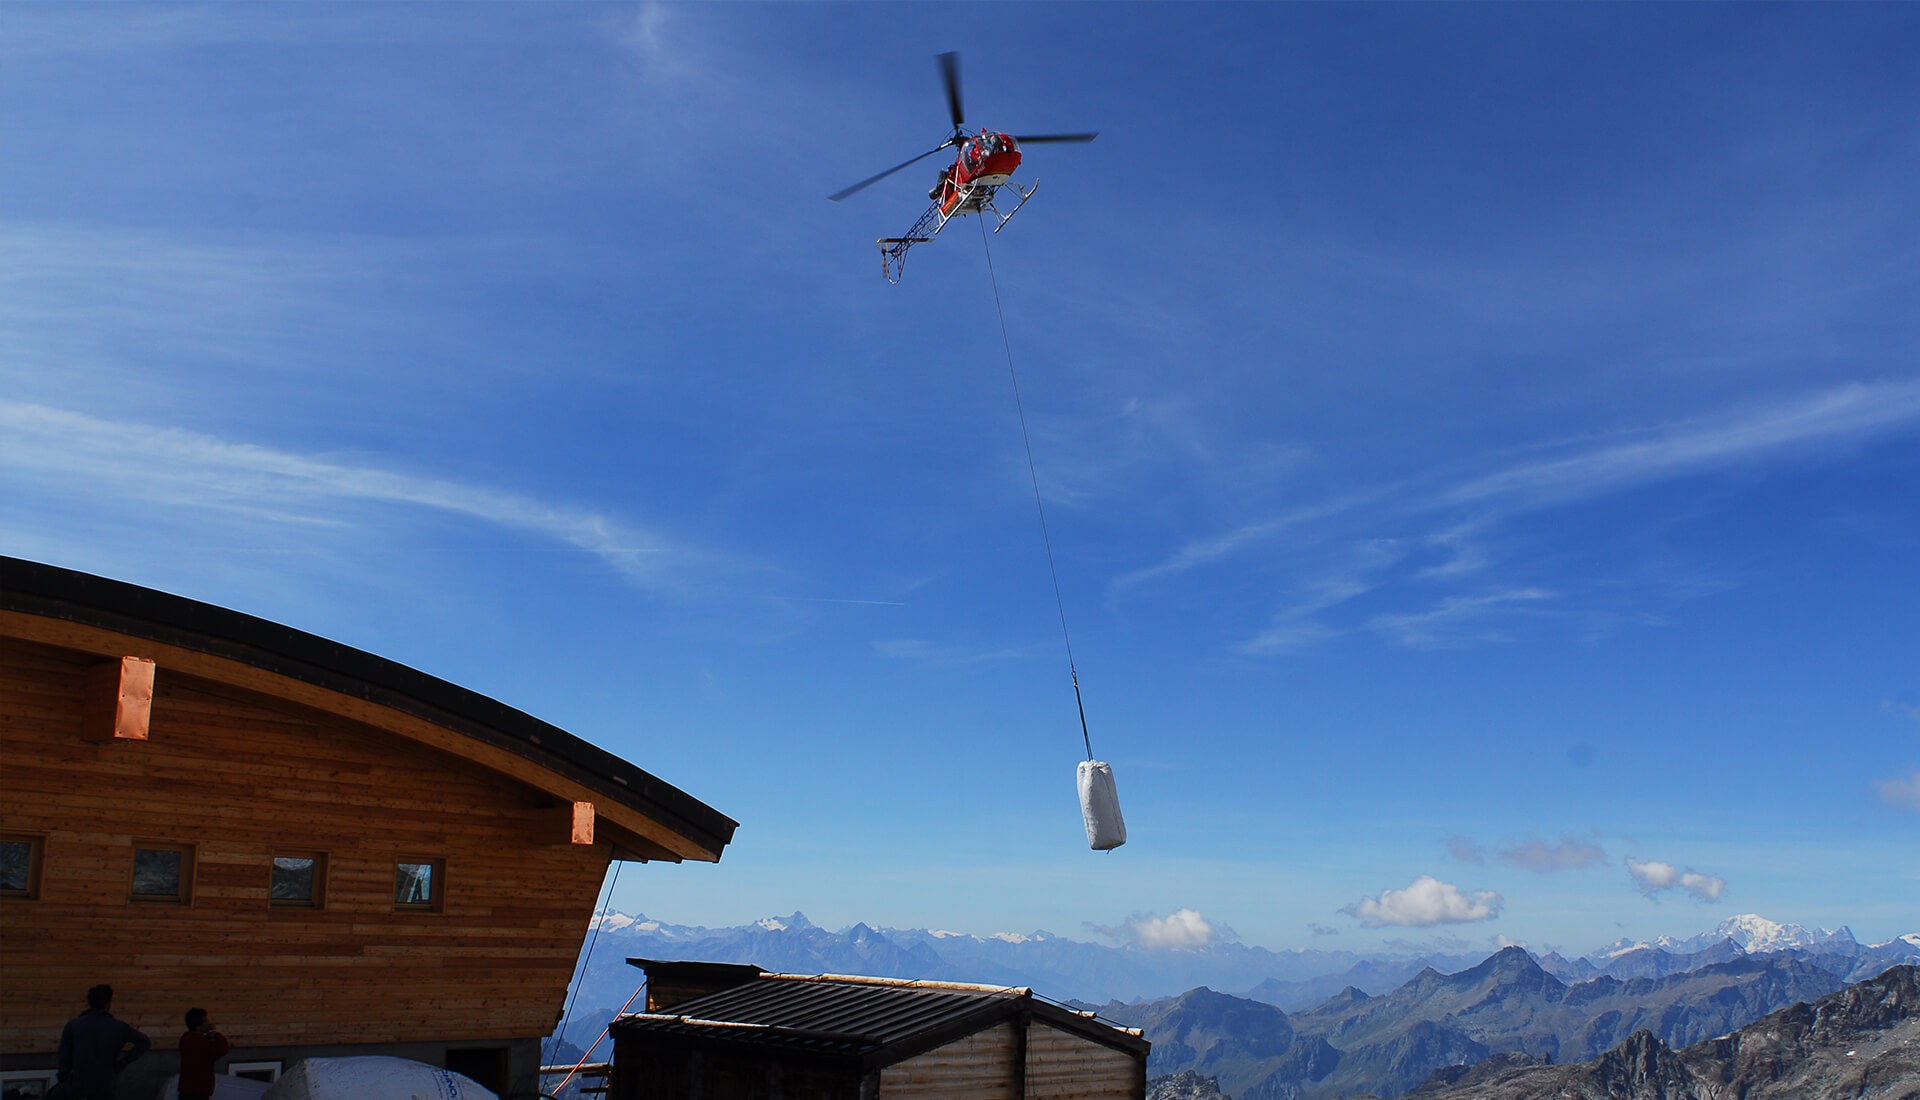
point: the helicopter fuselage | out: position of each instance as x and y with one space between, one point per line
986 161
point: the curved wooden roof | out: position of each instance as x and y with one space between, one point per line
645 817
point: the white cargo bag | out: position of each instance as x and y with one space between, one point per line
373 1078
1100 806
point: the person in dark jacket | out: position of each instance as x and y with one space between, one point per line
200 1047
95 1047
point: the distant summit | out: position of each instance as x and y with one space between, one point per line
1751 933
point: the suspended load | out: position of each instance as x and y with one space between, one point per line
373 1077
1100 806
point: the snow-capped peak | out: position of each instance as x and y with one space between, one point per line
1757 935
612 920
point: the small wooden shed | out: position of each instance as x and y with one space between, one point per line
333 853
729 1032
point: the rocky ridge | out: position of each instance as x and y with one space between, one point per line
1861 1042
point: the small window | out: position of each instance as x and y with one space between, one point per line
19 866
268 1072
162 873
418 885
26 1084
299 880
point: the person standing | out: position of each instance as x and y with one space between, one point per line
95 1047
200 1047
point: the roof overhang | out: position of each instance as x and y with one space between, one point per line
641 815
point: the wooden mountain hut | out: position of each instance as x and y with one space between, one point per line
727 1032
332 853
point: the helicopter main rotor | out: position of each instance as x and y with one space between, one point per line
950 80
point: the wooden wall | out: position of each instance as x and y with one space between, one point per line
981 1066
1063 1066
241 776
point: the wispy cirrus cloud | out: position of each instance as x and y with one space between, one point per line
1842 414
1458 620
247 492
1813 422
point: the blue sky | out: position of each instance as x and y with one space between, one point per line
1479 442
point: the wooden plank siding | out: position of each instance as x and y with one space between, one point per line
238 775
632 831
1061 1066
982 1066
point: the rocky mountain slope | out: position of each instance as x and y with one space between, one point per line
1508 1004
1861 1042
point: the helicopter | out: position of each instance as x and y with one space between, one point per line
983 163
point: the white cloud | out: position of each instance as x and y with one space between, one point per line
1181 928
1654 876
1903 792
1427 902
1569 854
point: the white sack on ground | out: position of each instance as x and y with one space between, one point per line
373 1078
1100 806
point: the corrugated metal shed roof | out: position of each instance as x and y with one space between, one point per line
874 1020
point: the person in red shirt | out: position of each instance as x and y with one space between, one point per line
200 1047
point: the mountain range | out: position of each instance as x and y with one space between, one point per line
1863 1041
1508 1004
1058 967
1306 1024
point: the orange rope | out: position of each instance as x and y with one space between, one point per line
596 1043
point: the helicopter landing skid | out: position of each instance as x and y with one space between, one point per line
1025 194
893 250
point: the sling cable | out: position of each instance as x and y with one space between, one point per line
1099 801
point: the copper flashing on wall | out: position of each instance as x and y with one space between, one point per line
119 701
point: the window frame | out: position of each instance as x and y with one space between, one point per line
268 1071
317 899
188 864
436 885
36 859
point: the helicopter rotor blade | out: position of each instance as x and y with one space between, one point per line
950 76
1032 139
876 178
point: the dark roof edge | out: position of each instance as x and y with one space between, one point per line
993 1012
65 594
1090 1027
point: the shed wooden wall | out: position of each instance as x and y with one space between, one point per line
240 776
651 1068
1064 1066
981 1066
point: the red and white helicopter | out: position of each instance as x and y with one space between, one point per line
983 165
